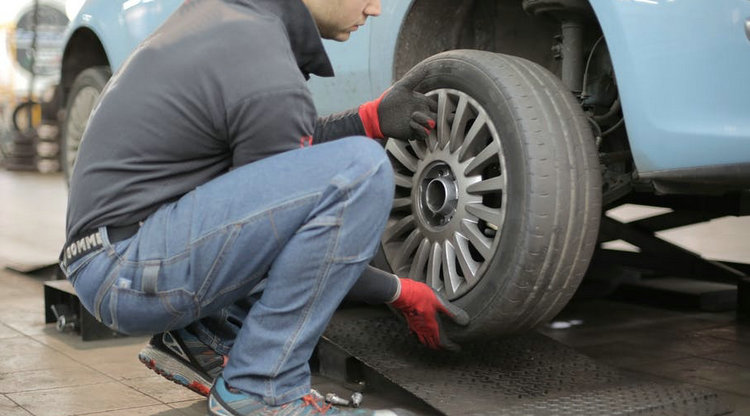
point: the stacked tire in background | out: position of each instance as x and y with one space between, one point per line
32 143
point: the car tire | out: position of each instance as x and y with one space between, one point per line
84 94
499 209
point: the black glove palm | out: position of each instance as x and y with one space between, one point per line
405 114
401 112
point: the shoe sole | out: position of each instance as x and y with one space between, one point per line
174 370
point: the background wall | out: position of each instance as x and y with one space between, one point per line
16 19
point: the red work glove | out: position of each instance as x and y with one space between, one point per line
420 305
401 112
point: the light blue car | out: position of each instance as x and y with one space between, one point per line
549 111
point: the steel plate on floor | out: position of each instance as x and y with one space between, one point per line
524 375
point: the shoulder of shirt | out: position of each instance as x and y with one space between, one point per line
252 20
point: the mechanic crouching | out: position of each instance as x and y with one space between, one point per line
210 206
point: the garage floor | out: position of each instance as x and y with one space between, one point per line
43 372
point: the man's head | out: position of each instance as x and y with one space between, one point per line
336 19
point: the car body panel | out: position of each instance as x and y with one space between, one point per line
385 31
351 86
121 25
681 67
364 64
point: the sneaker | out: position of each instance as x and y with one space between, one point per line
181 357
224 401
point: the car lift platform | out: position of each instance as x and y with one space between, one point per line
524 375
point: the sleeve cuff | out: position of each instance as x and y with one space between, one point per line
368 113
398 290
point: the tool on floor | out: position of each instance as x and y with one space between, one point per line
316 394
356 399
335 399
66 318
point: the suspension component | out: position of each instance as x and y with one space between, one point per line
568 45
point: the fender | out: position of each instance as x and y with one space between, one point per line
120 29
682 73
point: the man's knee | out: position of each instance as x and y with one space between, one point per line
371 156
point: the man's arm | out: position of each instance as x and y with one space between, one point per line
400 112
419 304
375 287
339 125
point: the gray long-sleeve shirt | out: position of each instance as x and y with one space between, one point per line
220 84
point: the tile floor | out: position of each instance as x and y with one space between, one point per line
47 373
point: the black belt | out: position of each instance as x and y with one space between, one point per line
87 241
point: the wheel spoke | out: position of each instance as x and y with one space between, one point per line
407 249
402 180
433 267
469 266
399 203
479 241
451 279
460 119
471 137
398 149
401 226
419 147
487 155
416 271
492 216
487 186
443 129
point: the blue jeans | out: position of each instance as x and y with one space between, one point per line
301 226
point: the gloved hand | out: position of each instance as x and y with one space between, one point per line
420 305
400 112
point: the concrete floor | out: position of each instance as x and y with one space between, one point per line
44 372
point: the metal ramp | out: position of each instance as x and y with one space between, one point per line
526 375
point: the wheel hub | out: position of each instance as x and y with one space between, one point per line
438 192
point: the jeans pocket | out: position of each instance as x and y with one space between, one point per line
135 312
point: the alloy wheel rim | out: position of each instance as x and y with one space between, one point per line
80 110
450 199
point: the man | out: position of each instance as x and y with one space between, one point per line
198 190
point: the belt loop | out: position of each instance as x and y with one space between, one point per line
149 277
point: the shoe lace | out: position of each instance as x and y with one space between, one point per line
311 400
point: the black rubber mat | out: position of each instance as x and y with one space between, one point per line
524 375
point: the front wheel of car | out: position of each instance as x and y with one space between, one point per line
84 94
499 208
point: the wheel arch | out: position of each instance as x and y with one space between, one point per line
83 50
433 26
527 29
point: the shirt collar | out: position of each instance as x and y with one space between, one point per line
304 37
